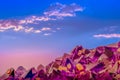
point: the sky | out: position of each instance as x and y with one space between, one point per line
34 32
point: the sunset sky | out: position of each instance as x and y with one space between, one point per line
34 32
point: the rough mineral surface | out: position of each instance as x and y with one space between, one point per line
101 63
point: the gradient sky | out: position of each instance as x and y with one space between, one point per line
37 31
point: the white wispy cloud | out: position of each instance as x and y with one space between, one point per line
34 19
47 34
107 35
56 11
61 10
29 30
37 31
45 29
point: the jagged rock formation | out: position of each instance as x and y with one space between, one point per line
101 63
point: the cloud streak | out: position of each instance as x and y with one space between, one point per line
107 35
47 34
10 24
60 11
54 12
45 29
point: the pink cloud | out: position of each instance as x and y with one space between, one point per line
10 24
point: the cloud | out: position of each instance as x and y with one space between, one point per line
107 35
47 34
55 12
61 10
34 19
18 28
45 29
37 31
29 30
10 24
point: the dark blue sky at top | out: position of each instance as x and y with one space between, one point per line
109 9
98 14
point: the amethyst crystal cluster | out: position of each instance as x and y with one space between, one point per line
101 63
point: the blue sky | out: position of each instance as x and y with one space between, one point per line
53 27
